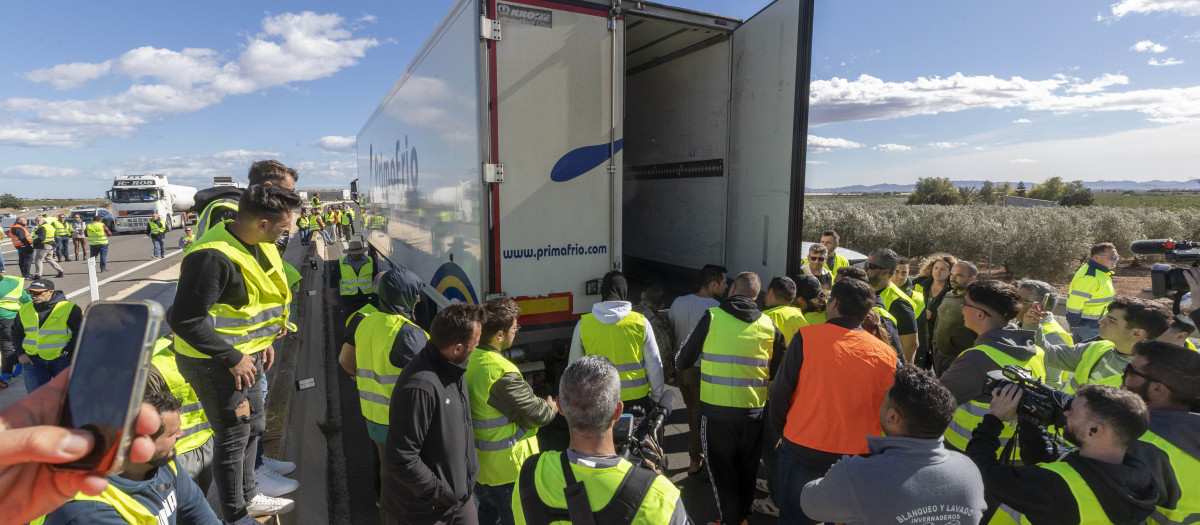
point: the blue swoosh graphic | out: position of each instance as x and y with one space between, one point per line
581 160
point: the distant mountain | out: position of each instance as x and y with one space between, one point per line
1099 185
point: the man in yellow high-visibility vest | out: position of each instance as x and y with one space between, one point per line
46 330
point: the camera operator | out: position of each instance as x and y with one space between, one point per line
1098 483
1127 321
1167 377
609 489
987 307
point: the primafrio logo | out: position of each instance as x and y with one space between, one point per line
525 15
395 168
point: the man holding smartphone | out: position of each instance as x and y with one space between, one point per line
237 297
45 329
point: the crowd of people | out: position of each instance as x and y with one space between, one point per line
841 394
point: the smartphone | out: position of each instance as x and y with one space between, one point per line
108 379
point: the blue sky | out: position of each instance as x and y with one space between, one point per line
1017 90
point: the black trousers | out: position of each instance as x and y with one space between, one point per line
8 352
24 259
731 451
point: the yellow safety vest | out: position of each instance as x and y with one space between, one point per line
347 216
1186 469
364 312
302 221
814 317
214 208
602 484
50 339
893 292
61 229
622 344
1189 344
1091 356
1091 293
252 327
376 375
157 228
130 510
735 361
970 414
188 240
352 283
46 231
96 235
501 445
12 300
1056 378
788 319
193 422
1090 510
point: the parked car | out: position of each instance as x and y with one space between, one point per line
88 214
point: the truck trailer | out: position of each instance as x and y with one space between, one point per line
135 198
531 146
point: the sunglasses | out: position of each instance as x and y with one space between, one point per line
1129 369
816 258
969 305
870 266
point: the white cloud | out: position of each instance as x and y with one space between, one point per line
1180 7
292 47
1022 161
367 17
822 144
39 172
326 175
892 147
870 98
1098 84
1146 46
335 146
1022 121
816 162
1168 62
947 145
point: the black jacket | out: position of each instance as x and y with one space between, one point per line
208 277
430 446
1126 492
744 309
74 319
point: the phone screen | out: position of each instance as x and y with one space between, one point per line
104 378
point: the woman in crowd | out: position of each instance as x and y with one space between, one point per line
933 281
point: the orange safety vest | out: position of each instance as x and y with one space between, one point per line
836 402
16 240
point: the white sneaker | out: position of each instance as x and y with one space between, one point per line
765 506
267 506
280 467
272 483
760 484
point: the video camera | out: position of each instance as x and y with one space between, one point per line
1040 404
633 429
1163 277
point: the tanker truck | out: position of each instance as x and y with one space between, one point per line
135 198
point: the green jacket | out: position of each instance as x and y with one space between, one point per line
7 285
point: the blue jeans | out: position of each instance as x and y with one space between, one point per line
42 371
494 504
101 250
791 475
64 248
160 247
325 234
303 236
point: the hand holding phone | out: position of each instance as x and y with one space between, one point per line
30 442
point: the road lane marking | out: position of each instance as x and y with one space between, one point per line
122 274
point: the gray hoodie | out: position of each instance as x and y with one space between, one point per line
967 374
611 312
904 481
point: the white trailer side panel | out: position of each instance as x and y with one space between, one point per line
761 140
419 161
555 87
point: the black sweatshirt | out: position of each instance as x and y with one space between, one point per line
74 319
208 277
1126 492
745 310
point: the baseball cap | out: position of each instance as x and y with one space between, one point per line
38 285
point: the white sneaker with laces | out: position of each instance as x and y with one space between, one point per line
765 506
280 467
760 484
267 506
272 483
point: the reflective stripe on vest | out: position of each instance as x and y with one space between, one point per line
1185 468
621 343
788 319
193 422
303 221
970 414
538 497
157 228
48 339
376 376
252 327
130 509
96 235
16 239
1089 507
1088 361
735 361
12 300
501 445
61 229
352 282
1090 305
214 209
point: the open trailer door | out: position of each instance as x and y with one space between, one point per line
771 58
